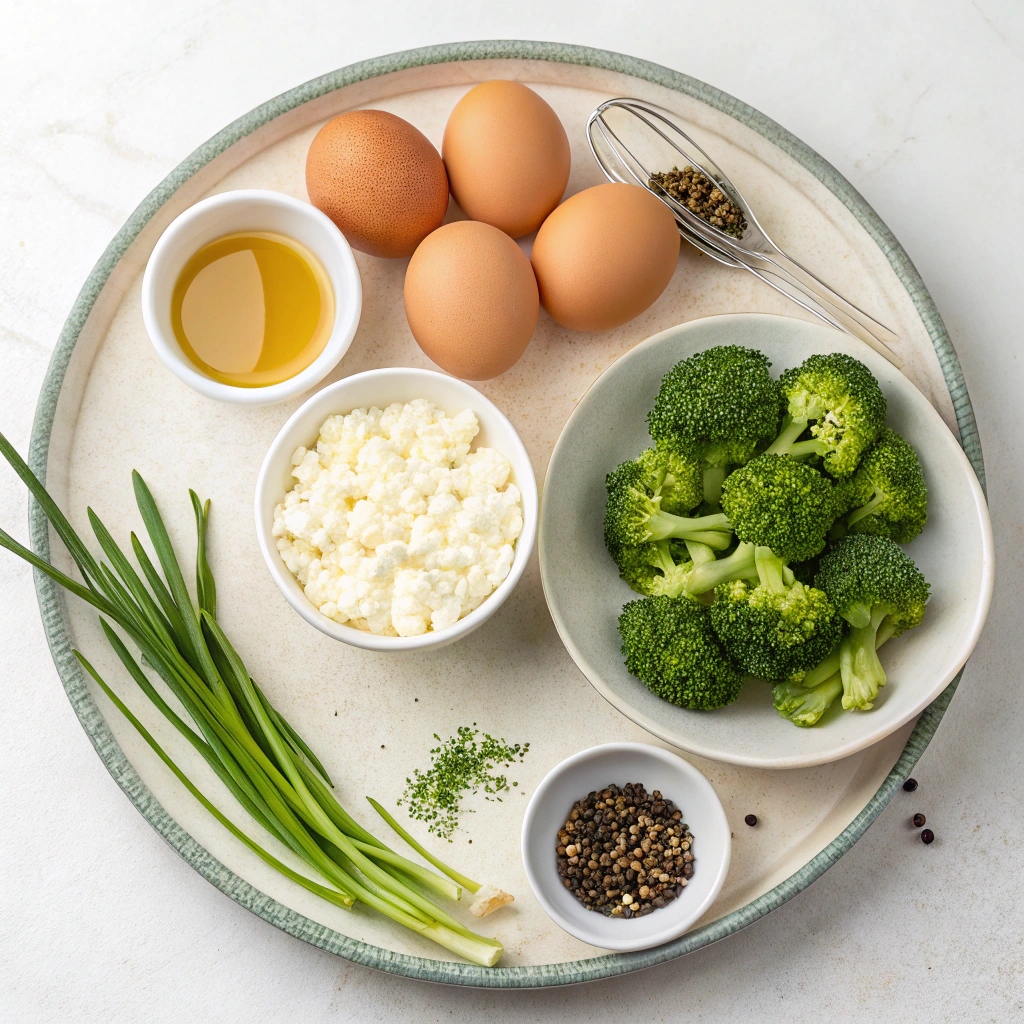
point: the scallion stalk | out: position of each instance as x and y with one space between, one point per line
257 755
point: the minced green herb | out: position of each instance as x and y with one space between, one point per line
461 765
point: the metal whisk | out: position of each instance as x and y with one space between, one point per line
632 140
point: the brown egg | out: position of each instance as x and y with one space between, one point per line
507 156
379 179
471 299
604 256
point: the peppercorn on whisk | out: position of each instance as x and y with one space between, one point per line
631 139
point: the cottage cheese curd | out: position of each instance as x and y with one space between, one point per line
393 525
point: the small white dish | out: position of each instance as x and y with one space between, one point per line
654 768
585 595
381 388
250 210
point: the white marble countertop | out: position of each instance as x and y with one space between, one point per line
102 100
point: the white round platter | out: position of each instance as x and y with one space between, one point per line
109 405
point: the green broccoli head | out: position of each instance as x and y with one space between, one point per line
838 397
670 647
633 514
777 502
866 575
772 634
674 474
629 506
804 706
873 583
722 403
887 495
636 564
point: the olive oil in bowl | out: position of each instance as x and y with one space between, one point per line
252 309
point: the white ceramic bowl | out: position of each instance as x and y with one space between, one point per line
250 210
654 768
585 595
381 388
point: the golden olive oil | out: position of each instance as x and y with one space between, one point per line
252 309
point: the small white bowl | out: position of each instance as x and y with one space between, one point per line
250 210
381 388
654 768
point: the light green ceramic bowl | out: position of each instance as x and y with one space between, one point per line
585 595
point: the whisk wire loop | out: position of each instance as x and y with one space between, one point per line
753 250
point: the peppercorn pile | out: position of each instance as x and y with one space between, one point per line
625 852
701 195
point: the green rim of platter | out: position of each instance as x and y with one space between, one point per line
51 598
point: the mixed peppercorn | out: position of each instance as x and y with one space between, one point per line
625 852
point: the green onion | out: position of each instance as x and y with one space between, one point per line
256 754
462 880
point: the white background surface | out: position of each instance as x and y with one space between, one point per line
100 921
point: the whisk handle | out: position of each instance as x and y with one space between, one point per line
851 318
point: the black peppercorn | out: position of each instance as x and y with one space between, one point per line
910 785
638 859
918 820
927 836
751 820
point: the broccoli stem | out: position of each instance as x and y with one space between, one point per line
662 558
830 666
712 539
822 671
803 705
859 665
714 477
713 530
770 569
865 510
791 430
673 578
699 553
739 565
802 449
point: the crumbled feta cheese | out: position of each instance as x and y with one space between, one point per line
393 525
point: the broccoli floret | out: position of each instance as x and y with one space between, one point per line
651 568
673 474
638 564
873 583
633 515
806 696
838 398
722 404
777 502
773 631
887 494
661 567
670 647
